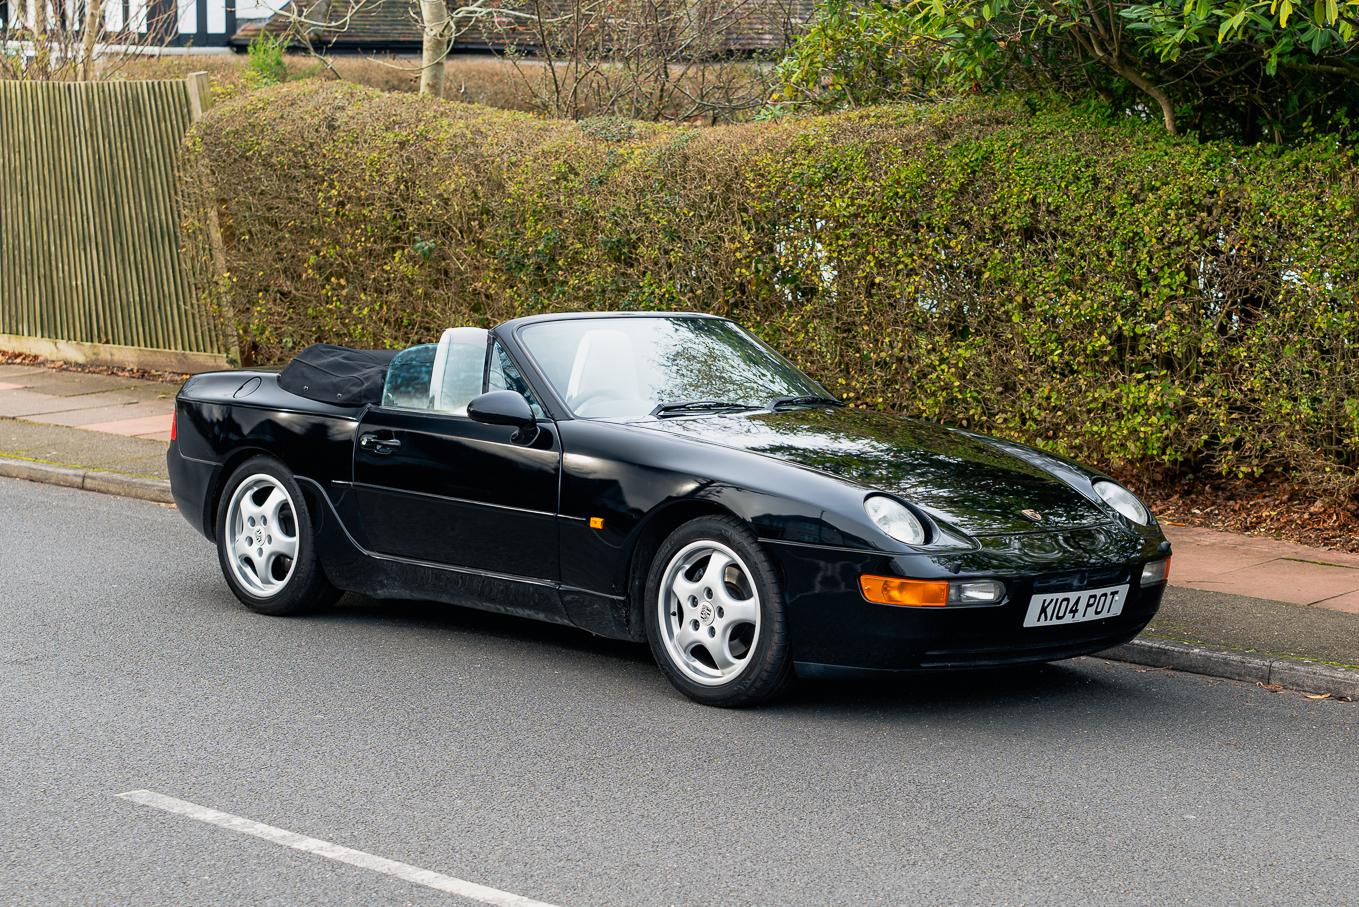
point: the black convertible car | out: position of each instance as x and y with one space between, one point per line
658 477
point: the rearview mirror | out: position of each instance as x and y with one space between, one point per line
505 408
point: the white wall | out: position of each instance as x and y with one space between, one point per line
258 9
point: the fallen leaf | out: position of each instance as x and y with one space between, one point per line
1272 687
1322 696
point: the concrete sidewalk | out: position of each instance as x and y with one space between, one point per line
1260 598
87 421
1264 568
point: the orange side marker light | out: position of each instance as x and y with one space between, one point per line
596 522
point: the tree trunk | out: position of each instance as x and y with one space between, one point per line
1160 97
437 29
94 25
1093 42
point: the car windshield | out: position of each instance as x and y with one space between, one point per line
634 366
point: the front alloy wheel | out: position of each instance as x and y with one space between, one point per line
712 613
715 616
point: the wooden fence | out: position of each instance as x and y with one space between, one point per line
89 226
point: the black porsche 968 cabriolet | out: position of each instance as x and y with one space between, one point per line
665 478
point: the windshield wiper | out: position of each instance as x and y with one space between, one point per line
699 406
802 400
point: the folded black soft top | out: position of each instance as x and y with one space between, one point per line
337 375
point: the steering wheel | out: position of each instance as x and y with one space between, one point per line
605 393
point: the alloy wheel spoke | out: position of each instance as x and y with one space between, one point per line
276 501
687 636
266 570
284 546
241 547
713 573
251 567
738 610
250 511
685 590
722 656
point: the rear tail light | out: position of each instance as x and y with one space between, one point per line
174 417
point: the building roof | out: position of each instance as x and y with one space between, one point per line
392 25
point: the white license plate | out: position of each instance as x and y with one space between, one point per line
1054 608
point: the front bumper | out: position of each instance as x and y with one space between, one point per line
836 632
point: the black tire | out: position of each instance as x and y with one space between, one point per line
727 643
285 577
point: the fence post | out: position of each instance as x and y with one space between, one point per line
200 95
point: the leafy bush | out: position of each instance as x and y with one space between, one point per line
1101 290
1250 72
266 65
854 55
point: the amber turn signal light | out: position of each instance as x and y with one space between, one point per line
912 593
1156 572
596 522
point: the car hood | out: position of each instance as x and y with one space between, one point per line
960 478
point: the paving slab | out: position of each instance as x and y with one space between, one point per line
25 403
1199 562
74 384
1349 603
104 415
1287 580
1263 568
139 426
1182 537
13 371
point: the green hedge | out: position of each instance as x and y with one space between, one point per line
1027 270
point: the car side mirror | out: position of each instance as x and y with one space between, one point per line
505 408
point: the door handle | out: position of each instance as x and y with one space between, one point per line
379 446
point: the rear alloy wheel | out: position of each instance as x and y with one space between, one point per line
715 615
265 542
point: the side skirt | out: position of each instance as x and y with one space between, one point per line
354 568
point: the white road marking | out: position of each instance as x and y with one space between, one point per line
435 880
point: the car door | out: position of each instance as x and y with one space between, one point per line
434 485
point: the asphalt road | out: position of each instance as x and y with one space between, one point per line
564 768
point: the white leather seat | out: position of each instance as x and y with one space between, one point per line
605 369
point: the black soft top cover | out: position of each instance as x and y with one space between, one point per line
337 375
